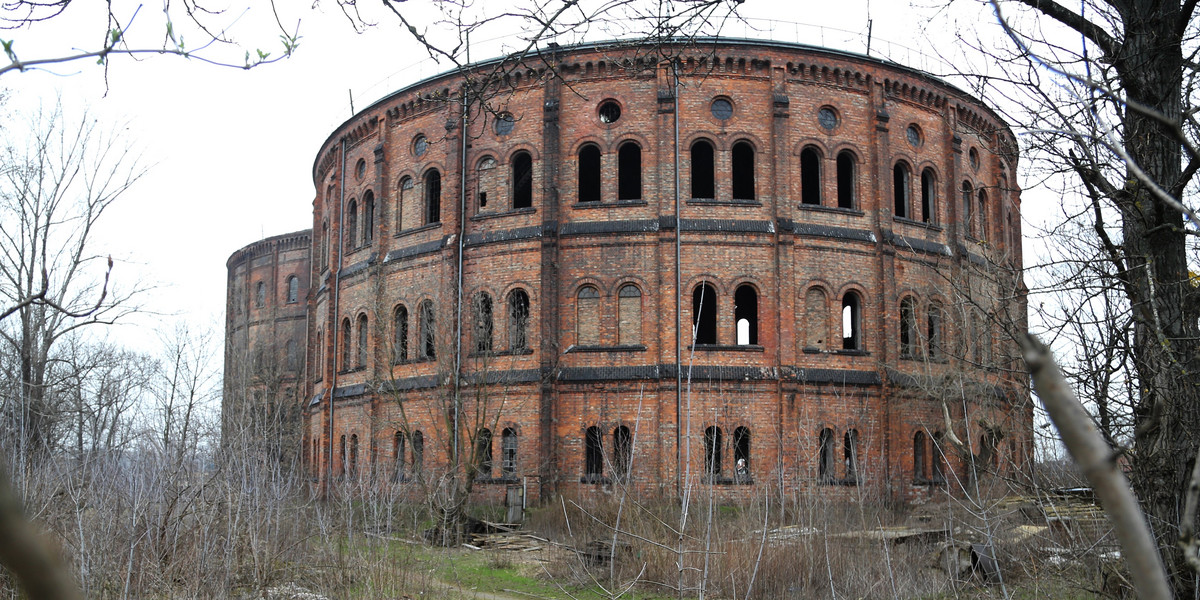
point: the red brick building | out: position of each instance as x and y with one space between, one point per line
749 264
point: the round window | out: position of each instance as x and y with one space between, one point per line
914 136
360 169
504 123
609 111
722 108
420 145
827 118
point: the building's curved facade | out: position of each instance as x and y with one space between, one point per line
265 344
755 264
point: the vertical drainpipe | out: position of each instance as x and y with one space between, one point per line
462 228
337 286
678 298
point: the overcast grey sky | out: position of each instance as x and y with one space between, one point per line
232 150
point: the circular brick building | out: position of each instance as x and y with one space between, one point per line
729 263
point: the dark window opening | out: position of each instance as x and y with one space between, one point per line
594 454
933 332
427 347
368 218
851 322
483 454
741 452
908 328
346 339
589 173
712 451
810 177
703 171
522 180
743 171
398 456
518 319
609 111
354 456
433 197
928 191
900 190
825 456
745 315
260 295
351 225
418 451
845 180
629 172
342 466
850 456
400 342
482 199
482 307
967 224
704 314
508 452
622 451
919 456
983 220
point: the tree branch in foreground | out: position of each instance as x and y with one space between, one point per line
1096 458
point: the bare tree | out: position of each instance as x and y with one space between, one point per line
58 178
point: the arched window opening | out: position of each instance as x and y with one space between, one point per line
622 452
851 322
589 173
593 467
400 331
712 451
481 306
354 456
983 216
919 457
817 319
522 180
745 314
587 314
344 456
629 172
433 197
427 347
846 179
418 451
908 327
743 171
325 245
933 332
351 226
704 314
850 456
825 456
518 319
508 453
703 171
293 289
741 452
937 475
483 454
368 218
928 198
967 223
810 177
361 350
346 339
398 456
900 190
629 315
